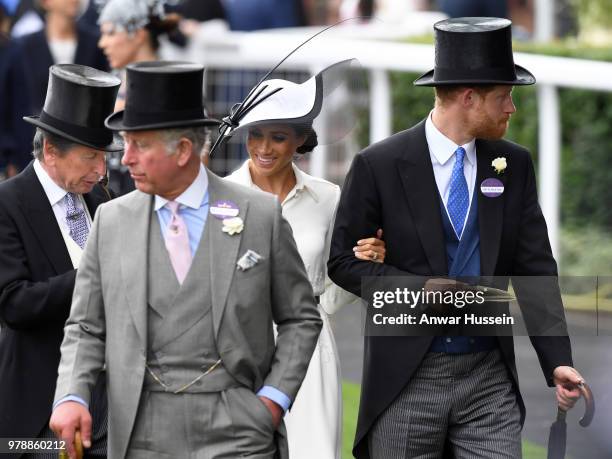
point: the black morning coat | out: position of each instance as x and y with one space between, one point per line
391 185
36 282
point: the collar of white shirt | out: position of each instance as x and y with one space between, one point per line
303 181
193 196
54 192
442 148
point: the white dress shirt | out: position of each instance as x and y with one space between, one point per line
310 209
442 153
193 208
56 195
63 51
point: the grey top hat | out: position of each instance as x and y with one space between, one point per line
78 100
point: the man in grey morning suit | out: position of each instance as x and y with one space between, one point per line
185 330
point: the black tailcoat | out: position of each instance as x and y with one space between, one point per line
391 185
36 284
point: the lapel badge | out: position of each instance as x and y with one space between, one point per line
248 260
492 187
224 209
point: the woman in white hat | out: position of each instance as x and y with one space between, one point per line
279 129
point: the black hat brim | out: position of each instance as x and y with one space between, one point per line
115 145
115 123
523 78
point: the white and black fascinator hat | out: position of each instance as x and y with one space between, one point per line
322 103
278 101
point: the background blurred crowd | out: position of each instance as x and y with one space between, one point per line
35 34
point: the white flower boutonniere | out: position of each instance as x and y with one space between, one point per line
499 164
233 225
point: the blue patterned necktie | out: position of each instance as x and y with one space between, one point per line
76 220
458 196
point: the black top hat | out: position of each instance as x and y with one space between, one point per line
78 100
162 95
474 51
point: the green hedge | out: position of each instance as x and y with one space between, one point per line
568 47
586 168
586 117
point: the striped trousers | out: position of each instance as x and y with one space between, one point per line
464 401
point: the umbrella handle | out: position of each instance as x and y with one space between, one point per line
589 401
589 409
78 446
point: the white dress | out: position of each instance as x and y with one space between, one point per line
314 423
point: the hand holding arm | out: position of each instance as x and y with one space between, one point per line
371 249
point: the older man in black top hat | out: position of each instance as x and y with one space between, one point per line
46 213
426 187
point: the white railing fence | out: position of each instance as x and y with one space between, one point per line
227 50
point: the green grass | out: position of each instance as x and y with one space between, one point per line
350 401
533 451
350 398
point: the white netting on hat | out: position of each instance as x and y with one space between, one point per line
131 15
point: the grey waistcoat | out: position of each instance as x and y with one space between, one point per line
181 345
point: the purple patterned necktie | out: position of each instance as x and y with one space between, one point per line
76 220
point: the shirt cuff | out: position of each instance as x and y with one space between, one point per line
276 396
71 398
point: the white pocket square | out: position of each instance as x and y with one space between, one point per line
248 260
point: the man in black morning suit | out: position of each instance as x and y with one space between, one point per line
45 215
422 186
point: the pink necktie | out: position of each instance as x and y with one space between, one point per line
177 243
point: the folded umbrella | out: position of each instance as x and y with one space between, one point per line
557 437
